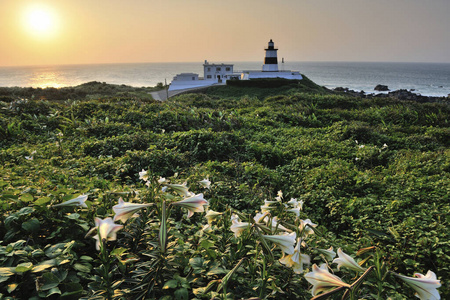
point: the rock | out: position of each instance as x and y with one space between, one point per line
407 95
341 89
381 88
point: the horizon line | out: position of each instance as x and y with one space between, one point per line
225 61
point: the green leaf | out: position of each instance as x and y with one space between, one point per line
61 274
7 271
171 284
44 265
68 197
73 216
49 281
32 225
73 290
181 294
42 201
196 262
85 268
9 197
11 287
53 291
55 250
86 258
37 253
228 276
206 244
25 211
204 290
23 267
118 251
26 197
216 271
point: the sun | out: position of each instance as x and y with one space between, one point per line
40 22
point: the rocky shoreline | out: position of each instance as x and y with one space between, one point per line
401 94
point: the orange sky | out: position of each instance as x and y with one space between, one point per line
118 31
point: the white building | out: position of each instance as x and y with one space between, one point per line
212 74
220 73
270 67
271 59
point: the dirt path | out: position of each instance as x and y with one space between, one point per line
162 94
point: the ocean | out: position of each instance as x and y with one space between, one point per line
428 79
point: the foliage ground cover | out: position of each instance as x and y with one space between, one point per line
369 172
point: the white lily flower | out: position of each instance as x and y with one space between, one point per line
347 261
322 280
297 206
285 241
143 175
329 253
124 210
205 183
162 180
267 202
234 218
293 202
425 285
279 226
295 210
279 195
296 260
207 228
212 215
265 208
78 201
180 189
264 219
106 229
261 218
193 204
306 230
239 227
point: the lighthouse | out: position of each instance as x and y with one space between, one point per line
271 60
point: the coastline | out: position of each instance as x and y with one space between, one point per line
427 79
93 89
400 94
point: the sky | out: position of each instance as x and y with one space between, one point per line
54 32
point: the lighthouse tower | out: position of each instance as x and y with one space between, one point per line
270 61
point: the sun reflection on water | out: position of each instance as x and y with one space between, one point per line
45 79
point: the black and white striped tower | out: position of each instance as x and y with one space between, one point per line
270 61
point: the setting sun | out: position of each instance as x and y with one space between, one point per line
40 22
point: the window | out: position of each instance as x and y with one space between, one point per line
208 76
228 69
193 78
209 69
218 69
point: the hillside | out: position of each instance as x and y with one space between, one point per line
370 172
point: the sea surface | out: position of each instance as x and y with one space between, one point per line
428 79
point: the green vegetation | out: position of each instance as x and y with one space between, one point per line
370 172
89 90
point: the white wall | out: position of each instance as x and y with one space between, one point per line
212 71
280 74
